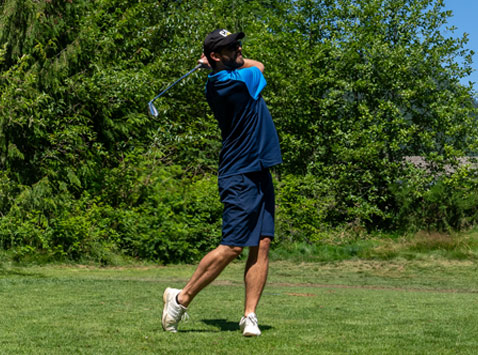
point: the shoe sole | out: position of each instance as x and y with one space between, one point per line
250 334
247 332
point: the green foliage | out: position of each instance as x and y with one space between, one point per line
162 216
445 204
305 204
377 84
354 87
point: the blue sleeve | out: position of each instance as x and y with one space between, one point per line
253 79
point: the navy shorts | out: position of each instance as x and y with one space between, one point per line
249 205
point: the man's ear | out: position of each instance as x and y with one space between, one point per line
215 56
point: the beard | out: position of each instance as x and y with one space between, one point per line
234 63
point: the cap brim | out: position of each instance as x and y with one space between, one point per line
235 37
229 39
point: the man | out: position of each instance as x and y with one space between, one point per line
250 146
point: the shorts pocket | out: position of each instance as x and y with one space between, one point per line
231 187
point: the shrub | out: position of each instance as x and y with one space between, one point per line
440 202
304 206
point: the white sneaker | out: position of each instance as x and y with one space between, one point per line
249 326
172 311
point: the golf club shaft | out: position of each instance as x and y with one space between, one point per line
177 81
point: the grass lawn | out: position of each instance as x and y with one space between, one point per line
422 306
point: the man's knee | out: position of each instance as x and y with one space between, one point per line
265 243
236 250
231 251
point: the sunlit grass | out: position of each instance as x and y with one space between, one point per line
453 246
416 306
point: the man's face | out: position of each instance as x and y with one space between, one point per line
231 56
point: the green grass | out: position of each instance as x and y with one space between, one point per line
346 246
421 306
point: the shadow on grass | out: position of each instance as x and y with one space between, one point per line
222 324
228 326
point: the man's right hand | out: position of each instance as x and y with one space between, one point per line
204 62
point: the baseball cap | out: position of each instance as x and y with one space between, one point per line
220 38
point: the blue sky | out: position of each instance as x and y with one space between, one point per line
465 16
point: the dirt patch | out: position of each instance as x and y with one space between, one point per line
299 294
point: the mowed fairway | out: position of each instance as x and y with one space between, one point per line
359 307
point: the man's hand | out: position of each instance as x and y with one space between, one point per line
204 62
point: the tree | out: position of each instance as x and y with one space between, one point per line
378 82
354 86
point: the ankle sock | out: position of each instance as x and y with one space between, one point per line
177 301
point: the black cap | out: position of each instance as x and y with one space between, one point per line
220 38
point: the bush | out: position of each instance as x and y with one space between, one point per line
178 221
437 202
304 205
169 217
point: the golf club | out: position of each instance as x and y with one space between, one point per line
152 108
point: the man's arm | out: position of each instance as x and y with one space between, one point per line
247 63
253 63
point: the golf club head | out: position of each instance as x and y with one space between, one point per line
152 109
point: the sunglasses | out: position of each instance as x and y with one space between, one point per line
233 46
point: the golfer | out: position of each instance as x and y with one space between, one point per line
250 146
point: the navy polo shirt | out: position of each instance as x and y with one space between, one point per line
249 137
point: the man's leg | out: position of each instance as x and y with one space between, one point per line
208 269
255 275
176 301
